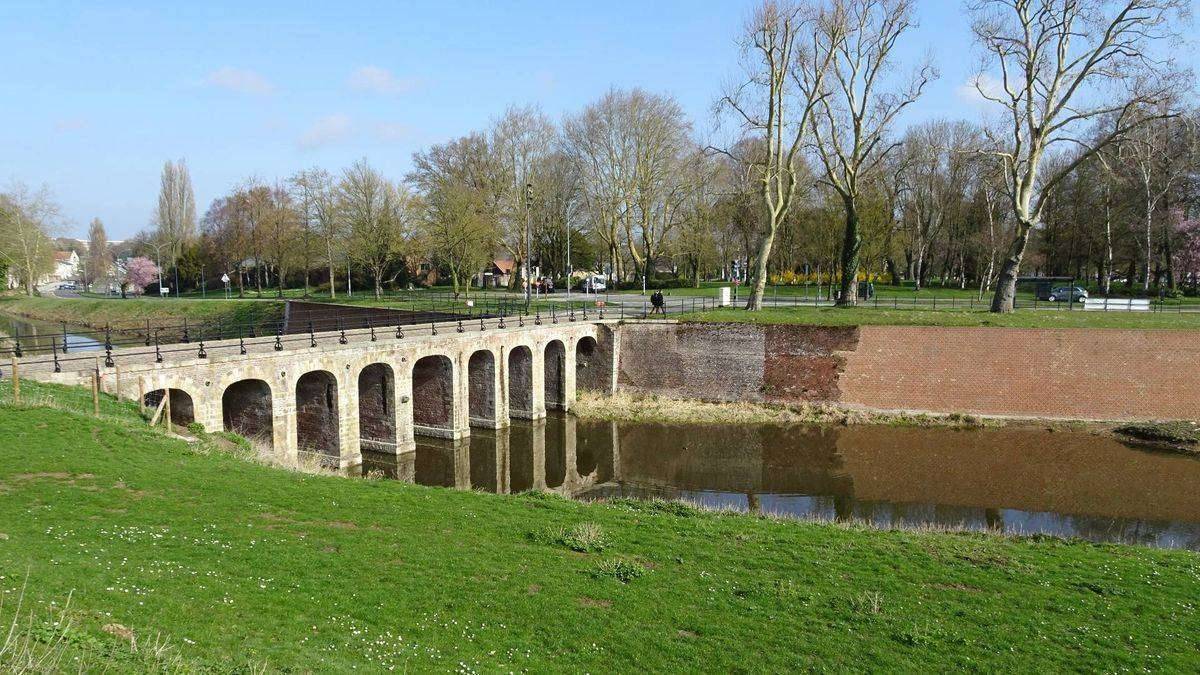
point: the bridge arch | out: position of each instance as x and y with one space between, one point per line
481 388
246 410
183 411
555 374
377 408
317 413
520 381
433 392
590 361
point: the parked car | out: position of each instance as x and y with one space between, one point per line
593 284
1067 294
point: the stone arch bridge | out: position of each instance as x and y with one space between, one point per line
337 393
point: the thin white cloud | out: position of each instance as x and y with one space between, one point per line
376 80
326 130
968 92
240 81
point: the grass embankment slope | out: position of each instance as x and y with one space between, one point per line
134 312
238 564
1026 318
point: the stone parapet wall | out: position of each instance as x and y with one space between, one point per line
1054 373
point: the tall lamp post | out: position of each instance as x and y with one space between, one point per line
528 244
569 270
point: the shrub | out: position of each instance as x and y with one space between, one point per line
620 569
1174 433
586 537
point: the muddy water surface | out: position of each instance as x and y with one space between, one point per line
1019 480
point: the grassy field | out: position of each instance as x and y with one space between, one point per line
134 312
235 566
866 316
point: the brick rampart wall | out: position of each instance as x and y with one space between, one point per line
1073 373
1064 373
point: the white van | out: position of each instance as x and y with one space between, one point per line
593 284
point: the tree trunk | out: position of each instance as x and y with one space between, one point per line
1006 283
851 247
755 301
891 268
1147 244
1106 279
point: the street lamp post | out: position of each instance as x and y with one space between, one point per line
569 270
528 243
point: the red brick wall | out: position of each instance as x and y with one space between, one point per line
1072 373
1067 373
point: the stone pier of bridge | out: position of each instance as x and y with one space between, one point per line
372 390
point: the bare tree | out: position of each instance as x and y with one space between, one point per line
1057 66
284 235
936 174
26 219
176 213
99 259
856 112
459 232
1158 155
519 141
598 140
378 219
787 51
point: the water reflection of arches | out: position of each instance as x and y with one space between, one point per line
183 411
481 389
520 382
377 408
555 375
317 428
246 409
443 462
433 394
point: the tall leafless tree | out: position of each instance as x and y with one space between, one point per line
1052 67
857 111
787 51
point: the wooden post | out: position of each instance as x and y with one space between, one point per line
142 395
167 409
16 378
96 393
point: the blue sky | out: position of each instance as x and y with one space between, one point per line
97 95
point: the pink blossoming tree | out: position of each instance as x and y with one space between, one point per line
138 273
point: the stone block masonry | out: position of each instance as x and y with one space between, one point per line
1100 374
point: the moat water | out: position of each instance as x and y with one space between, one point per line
1013 480
41 337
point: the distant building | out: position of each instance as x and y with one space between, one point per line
66 267
497 275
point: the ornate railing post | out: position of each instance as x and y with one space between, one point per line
108 359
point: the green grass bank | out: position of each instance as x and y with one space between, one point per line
132 313
238 565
